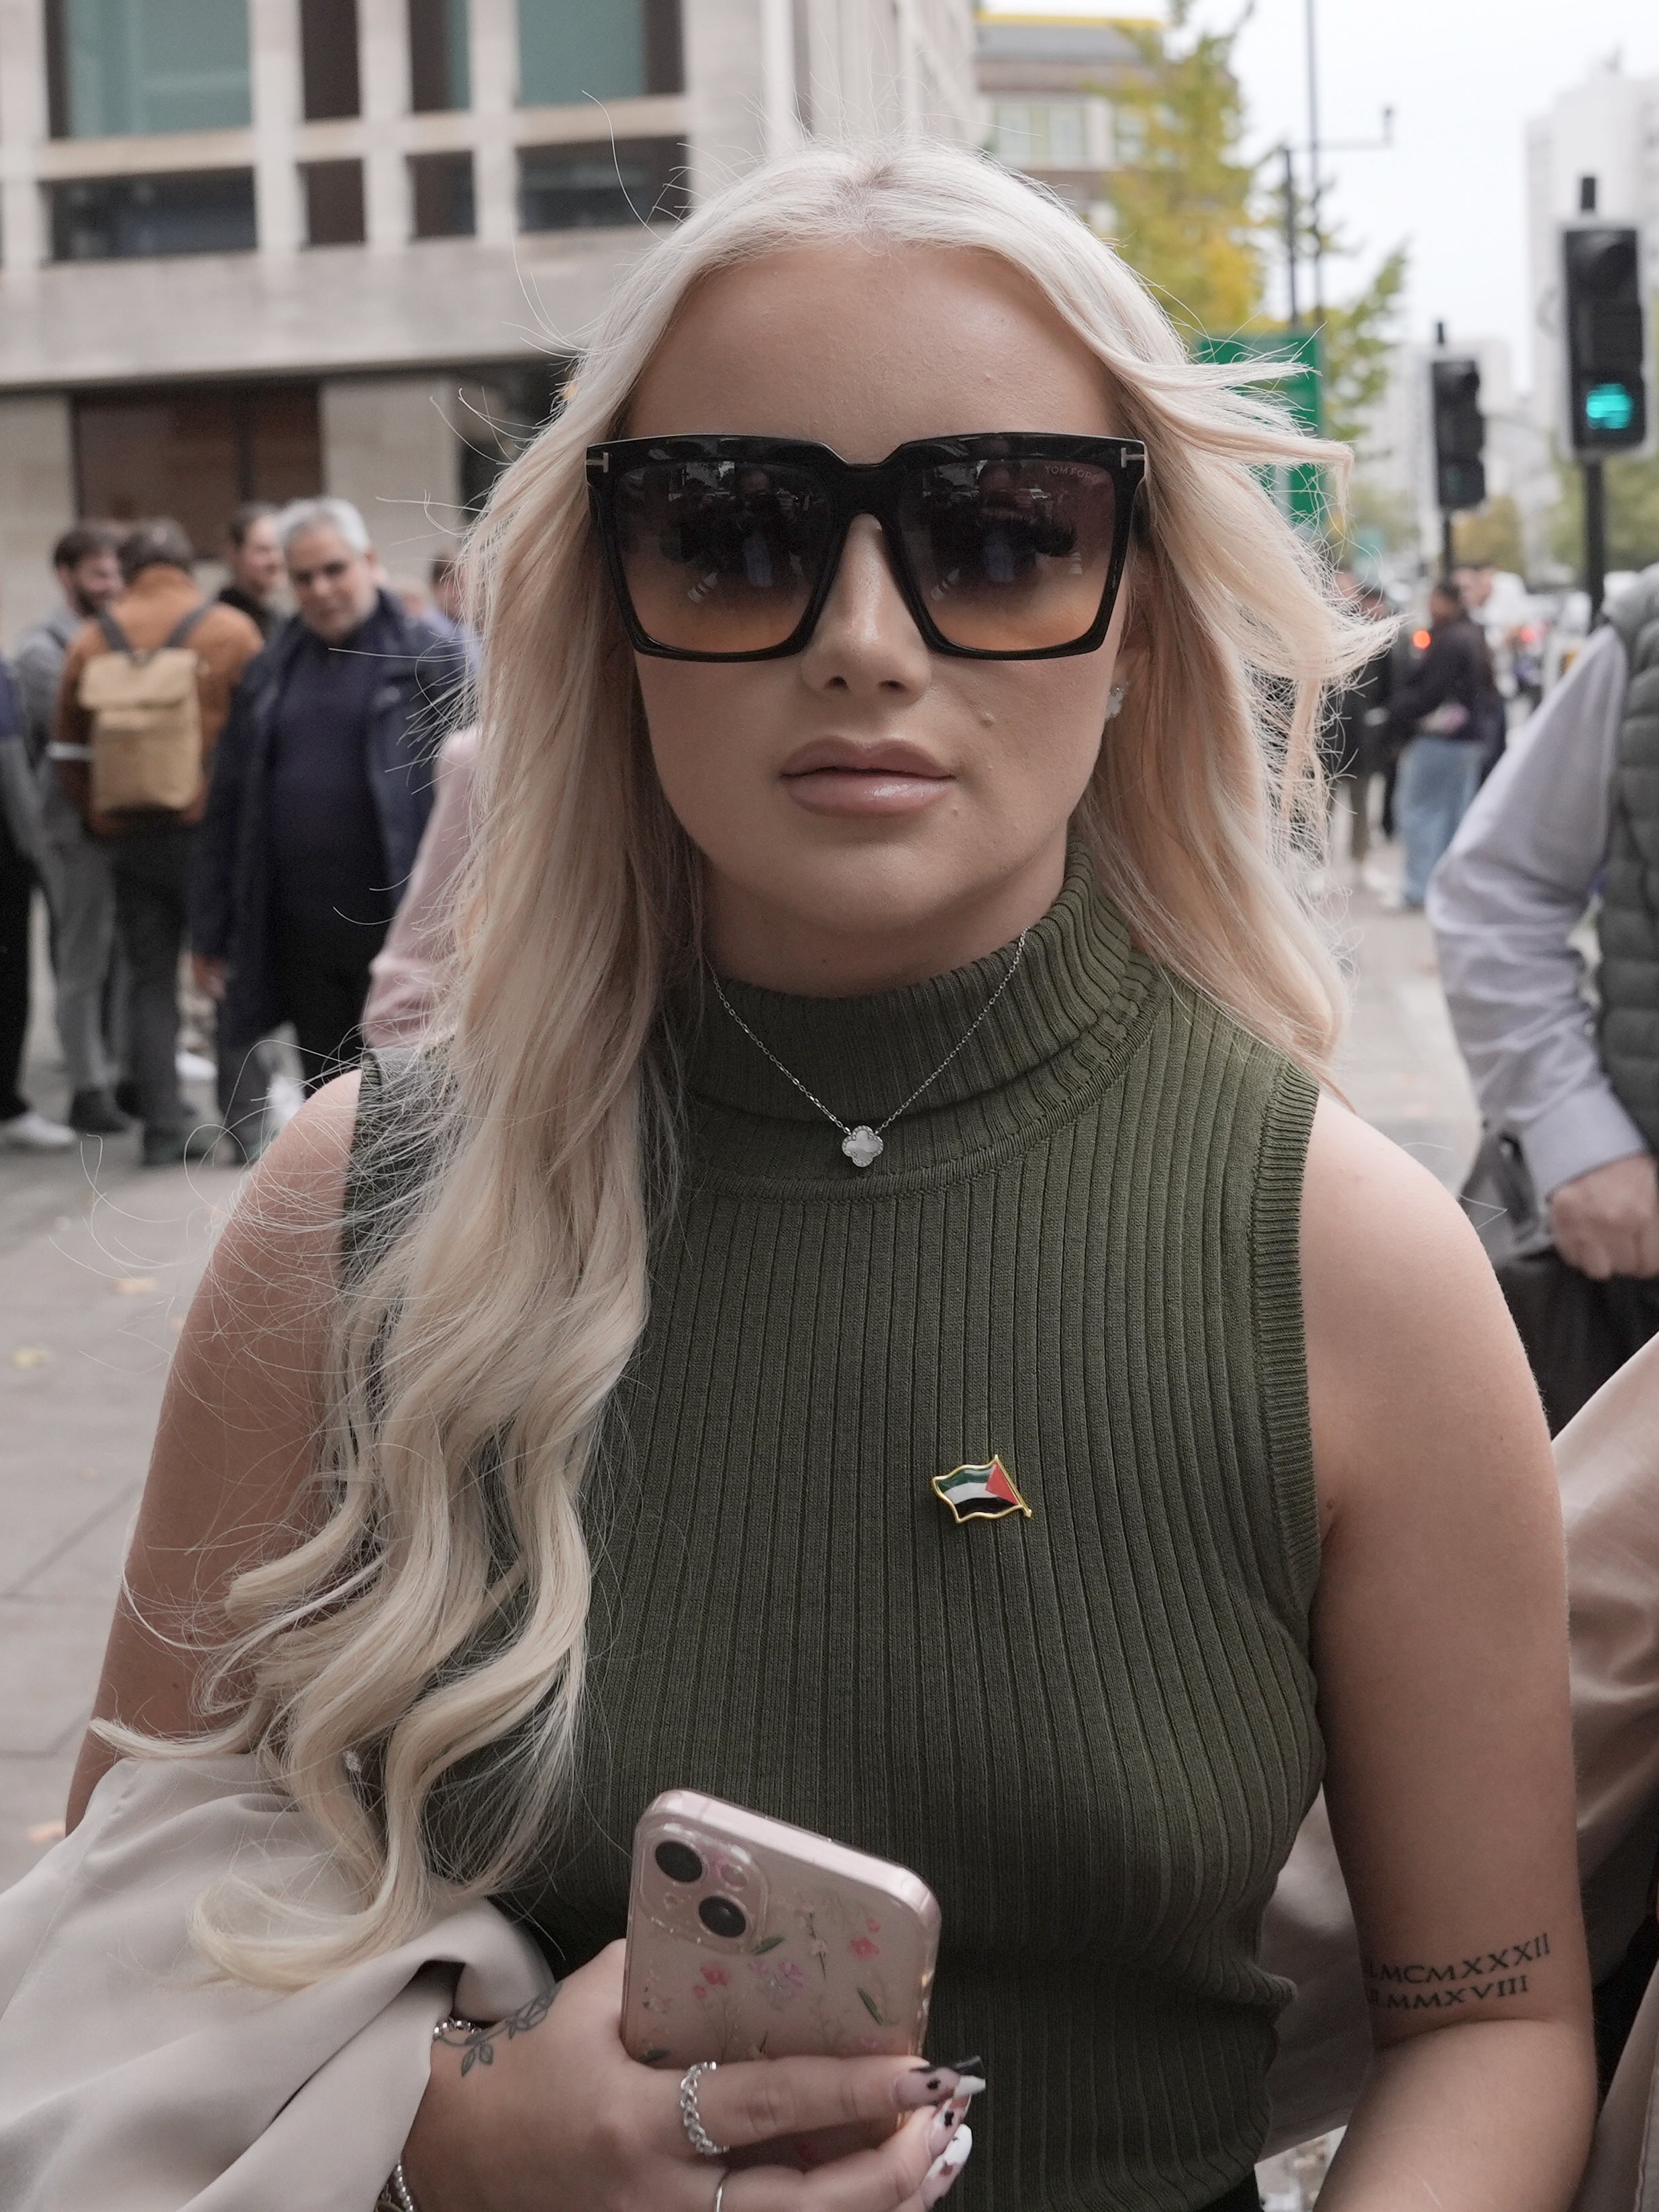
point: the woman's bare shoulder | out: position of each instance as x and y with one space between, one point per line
1407 1330
240 1409
287 1217
1360 1183
308 1160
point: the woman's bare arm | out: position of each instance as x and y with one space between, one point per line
236 1442
1440 1644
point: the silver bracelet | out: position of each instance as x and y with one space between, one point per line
396 2194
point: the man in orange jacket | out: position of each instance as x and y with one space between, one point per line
150 853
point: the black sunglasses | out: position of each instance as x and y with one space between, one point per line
1006 546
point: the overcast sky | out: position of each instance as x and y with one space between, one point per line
1463 76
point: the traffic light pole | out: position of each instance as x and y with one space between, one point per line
1595 538
1604 322
1460 438
1293 317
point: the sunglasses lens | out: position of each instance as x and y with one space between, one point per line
1010 555
721 557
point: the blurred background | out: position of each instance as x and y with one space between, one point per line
253 251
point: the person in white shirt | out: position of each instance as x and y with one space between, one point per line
1506 905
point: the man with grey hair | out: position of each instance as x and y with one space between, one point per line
321 788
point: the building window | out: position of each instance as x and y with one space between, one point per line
503 409
439 73
121 68
441 188
602 184
568 53
1041 134
118 218
195 451
328 59
334 203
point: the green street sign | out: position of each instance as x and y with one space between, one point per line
1299 491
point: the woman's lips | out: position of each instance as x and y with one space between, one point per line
864 791
835 778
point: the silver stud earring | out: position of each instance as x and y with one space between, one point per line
1115 699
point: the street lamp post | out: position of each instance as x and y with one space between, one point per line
1314 151
1293 315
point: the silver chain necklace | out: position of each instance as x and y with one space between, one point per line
861 1143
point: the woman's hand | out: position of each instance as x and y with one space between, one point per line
557 2117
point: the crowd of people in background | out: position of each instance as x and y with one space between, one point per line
322 693
317 697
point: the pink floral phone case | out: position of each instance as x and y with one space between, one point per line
750 1939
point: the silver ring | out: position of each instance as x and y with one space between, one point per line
720 2193
700 2141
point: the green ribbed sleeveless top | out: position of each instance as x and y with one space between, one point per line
1093 1731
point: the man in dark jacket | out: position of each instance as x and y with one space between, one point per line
1445 709
75 866
21 1127
1348 741
322 786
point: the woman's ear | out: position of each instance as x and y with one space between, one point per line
1130 666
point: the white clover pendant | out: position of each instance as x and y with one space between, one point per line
862 1144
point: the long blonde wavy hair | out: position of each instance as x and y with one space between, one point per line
436 1614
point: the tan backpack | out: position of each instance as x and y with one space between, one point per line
146 721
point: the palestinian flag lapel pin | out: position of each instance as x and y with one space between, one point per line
980 1493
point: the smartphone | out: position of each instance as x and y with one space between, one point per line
750 1939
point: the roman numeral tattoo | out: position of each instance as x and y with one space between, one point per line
1421 1987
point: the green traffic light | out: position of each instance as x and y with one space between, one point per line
1609 407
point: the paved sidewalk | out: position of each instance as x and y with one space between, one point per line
1399 1065
97 1261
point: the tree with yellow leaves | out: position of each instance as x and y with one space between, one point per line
1186 218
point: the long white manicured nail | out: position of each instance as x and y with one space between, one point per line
947 2166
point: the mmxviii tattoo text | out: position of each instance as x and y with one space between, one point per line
1479 1978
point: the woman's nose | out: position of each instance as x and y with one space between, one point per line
866 641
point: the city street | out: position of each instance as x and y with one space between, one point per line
375 380
100 1259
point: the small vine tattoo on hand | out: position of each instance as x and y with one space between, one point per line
1422 1985
477 2043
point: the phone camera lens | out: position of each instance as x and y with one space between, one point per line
720 1916
679 1862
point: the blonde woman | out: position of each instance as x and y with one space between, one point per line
882 1093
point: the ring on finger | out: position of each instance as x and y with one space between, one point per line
719 2192
698 2135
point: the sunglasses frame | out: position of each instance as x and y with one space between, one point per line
855 488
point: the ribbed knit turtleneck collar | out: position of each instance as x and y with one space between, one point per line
1068 1012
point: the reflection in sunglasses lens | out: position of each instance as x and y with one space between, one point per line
1010 555
721 557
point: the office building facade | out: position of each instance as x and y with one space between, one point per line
260 248
1046 86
